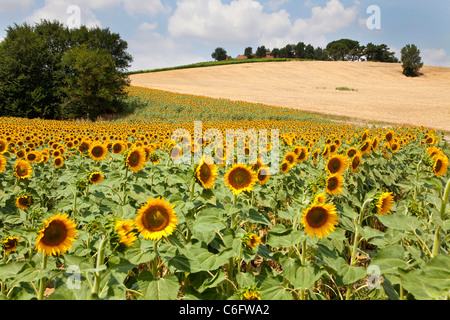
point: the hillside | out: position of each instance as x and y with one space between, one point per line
378 91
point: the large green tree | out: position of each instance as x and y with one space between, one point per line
411 60
219 54
34 81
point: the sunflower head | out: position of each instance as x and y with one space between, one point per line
320 220
135 159
440 165
10 244
240 178
23 202
263 175
250 241
3 163
156 219
334 184
22 169
356 161
250 294
57 235
385 203
126 231
98 151
285 166
96 177
337 164
58 162
206 172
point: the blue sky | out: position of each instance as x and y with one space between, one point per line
175 32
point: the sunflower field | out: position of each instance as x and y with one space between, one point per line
102 210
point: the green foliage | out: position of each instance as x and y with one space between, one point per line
35 70
411 60
219 54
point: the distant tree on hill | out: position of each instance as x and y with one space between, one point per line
275 52
299 50
261 52
219 54
411 60
344 49
379 53
248 52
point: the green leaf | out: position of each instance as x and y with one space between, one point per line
163 288
399 222
350 274
432 281
11 269
389 259
287 239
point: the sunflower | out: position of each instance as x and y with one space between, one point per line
58 162
389 136
3 145
395 147
334 184
356 161
385 203
337 164
251 240
118 147
302 155
250 294
156 219
135 159
240 178
96 177
176 152
290 157
125 229
440 165
320 198
98 151
320 220
57 235
10 244
285 166
33 156
23 202
206 172
84 146
2 163
263 175
351 152
22 169
365 148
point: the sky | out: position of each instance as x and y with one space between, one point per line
176 32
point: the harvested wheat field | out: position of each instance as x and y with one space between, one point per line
369 91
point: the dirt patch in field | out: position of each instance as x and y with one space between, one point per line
367 91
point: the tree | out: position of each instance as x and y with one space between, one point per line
219 54
299 50
261 52
91 86
412 62
343 49
33 78
275 52
379 53
248 52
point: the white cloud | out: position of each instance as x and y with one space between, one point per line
148 7
151 50
275 4
244 21
148 26
436 57
16 5
57 10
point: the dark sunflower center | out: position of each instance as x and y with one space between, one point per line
25 201
438 165
58 161
95 177
365 146
317 217
55 233
351 153
262 174
31 157
21 171
133 159
205 172
10 243
155 219
332 183
334 165
239 178
355 162
97 151
290 159
117 148
83 147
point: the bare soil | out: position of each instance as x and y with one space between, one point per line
379 92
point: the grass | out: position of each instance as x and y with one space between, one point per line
215 63
346 89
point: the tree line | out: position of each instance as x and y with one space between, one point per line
339 50
50 71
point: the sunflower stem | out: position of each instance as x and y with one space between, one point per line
192 189
417 179
436 243
155 260
125 186
43 280
100 260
